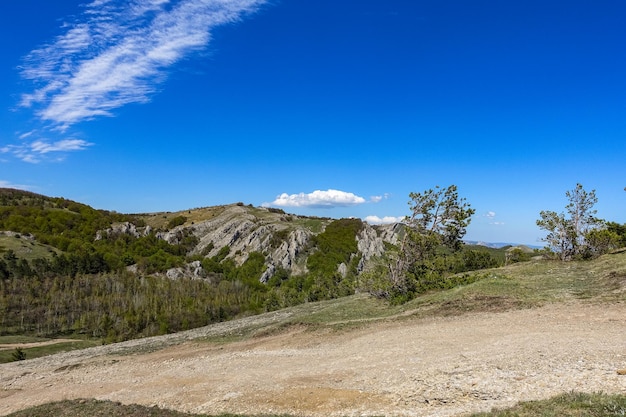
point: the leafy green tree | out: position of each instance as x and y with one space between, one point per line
439 218
514 255
574 236
619 230
600 241
561 236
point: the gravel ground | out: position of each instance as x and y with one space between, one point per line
412 367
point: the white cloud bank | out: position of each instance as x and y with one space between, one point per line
117 53
318 199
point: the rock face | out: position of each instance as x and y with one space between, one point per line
125 228
287 254
284 243
283 239
193 269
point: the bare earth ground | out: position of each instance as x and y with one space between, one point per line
412 367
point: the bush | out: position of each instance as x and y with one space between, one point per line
18 355
176 221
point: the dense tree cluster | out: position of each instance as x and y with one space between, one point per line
116 306
72 227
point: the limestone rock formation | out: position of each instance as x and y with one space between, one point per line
125 228
283 239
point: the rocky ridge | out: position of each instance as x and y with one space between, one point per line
284 239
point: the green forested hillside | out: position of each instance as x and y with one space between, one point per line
61 275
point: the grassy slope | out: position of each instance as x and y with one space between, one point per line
6 354
523 285
25 248
198 215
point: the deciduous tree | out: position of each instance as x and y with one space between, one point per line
569 237
438 218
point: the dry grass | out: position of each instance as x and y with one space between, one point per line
160 220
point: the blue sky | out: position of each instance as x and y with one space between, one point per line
327 108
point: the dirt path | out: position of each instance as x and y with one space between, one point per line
9 346
413 367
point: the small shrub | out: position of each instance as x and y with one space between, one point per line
176 221
18 355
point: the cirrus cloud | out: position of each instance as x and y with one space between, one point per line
318 199
117 52
39 149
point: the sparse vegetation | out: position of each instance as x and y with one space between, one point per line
82 408
44 349
572 404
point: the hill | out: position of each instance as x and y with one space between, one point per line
69 269
233 232
527 331
236 231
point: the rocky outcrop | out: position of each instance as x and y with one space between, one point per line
283 239
193 269
236 228
287 254
125 228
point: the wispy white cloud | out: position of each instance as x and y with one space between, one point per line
43 147
36 151
379 198
318 199
26 135
383 220
491 215
118 52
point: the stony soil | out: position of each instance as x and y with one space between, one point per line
409 367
